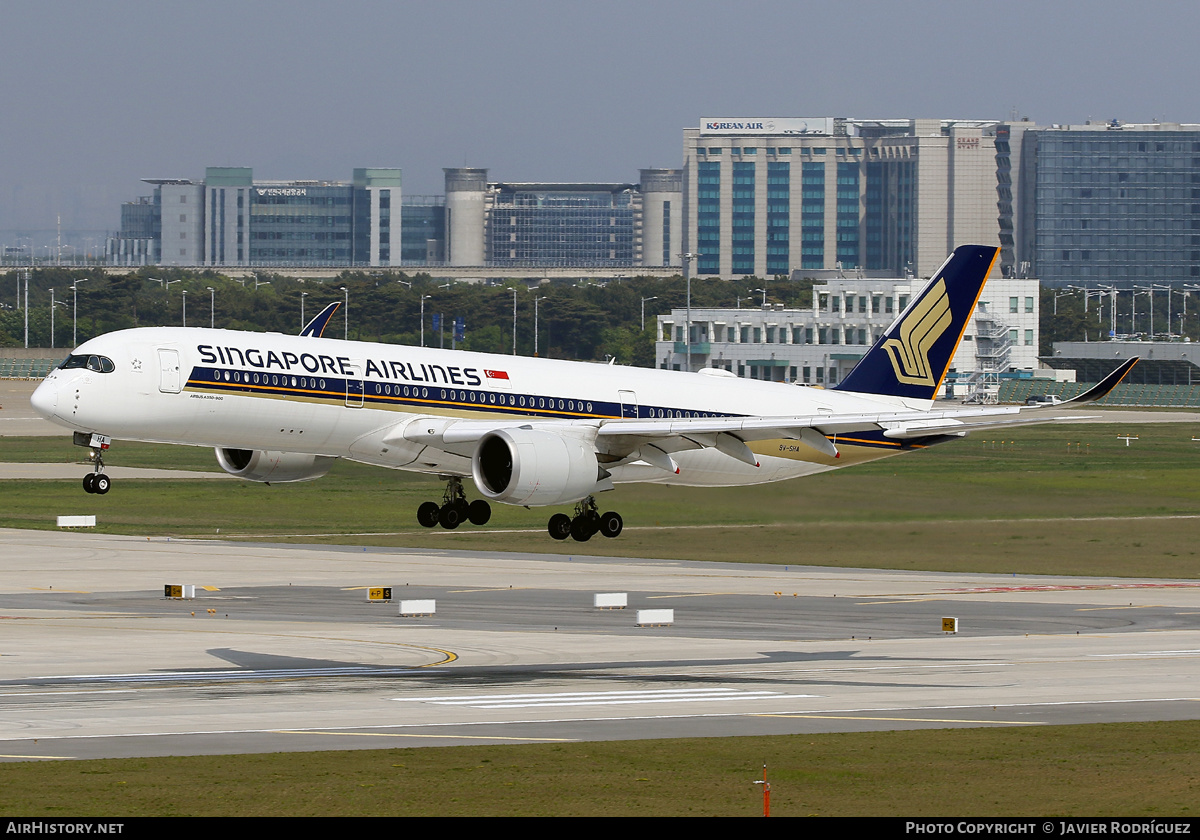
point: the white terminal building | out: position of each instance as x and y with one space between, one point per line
819 344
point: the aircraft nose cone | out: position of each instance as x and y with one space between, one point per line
45 399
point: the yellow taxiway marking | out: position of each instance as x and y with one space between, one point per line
211 588
52 589
909 719
488 589
414 735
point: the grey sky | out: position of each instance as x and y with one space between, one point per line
97 95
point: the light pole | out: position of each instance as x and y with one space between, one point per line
346 330
303 323
212 307
687 330
185 307
514 293
423 299
764 294
1139 290
535 323
54 304
75 311
1071 291
26 310
644 310
442 322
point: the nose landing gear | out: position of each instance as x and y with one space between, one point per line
586 523
454 509
95 481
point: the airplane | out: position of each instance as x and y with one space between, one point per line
527 431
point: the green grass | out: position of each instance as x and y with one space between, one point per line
1140 769
1051 500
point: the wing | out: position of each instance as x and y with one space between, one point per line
654 440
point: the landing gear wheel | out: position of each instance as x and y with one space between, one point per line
89 483
479 512
101 484
450 516
581 528
560 526
427 514
611 524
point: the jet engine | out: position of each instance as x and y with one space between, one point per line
529 467
260 465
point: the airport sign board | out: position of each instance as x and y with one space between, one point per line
766 125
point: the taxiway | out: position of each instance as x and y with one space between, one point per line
282 651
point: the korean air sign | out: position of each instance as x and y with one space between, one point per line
764 125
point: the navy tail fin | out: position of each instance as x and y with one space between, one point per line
316 327
912 357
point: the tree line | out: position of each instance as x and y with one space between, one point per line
576 320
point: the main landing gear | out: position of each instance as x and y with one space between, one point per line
586 523
454 509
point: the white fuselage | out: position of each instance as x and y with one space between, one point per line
266 391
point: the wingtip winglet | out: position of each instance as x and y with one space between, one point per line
1102 388
316 327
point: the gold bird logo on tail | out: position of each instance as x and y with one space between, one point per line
918 333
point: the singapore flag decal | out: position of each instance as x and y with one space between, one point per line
496 374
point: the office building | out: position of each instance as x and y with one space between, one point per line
821 343
768 197
231 219
1110 203
505 224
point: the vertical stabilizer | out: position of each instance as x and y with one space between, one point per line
911 358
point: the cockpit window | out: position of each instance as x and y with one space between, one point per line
100 364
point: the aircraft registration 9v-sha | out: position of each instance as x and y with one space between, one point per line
528 431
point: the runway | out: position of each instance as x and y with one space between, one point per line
282 651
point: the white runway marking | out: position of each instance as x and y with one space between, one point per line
598 698
1146 653
220 676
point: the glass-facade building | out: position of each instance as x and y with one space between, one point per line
1112 203
422 229
562 224
570 225
231 219
767 197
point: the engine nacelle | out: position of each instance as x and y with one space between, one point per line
528 467
260 465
